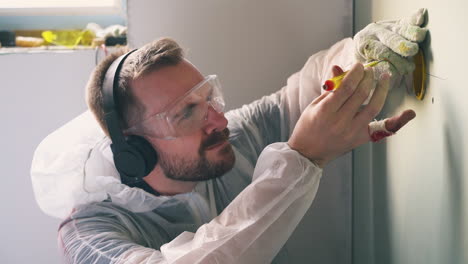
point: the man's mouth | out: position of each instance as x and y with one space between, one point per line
219 144
216 140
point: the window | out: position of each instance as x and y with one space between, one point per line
59 7
29 18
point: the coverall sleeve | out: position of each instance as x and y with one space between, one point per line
272 118
102 240
252 229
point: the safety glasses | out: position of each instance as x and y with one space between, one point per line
185 115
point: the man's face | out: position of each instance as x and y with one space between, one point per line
201 155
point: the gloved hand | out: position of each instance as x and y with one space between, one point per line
392 41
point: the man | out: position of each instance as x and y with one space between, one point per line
224 188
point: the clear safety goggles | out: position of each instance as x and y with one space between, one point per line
186 114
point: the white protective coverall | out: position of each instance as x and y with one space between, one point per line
245 216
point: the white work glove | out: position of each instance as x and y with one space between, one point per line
392 41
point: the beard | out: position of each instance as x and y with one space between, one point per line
201 169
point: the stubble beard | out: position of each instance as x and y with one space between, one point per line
201 169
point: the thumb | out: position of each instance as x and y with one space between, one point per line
393 124
416 19
379 130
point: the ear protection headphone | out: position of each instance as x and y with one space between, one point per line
134 156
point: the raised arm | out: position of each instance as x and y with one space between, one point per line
272 118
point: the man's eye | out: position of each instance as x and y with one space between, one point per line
209 97
187 113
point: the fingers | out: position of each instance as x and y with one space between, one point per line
396 42
396 64
375 50
336 70
384 67
393 124
349 84
417 18
379 130
320 98
376 103
410 32
359 96
383 33
363 135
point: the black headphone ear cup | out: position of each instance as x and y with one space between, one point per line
146 151
128 162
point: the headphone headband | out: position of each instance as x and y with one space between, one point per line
109 86
134 156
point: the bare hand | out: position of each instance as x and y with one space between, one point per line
335 123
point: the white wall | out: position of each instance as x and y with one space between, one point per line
254 46
40 92
411 202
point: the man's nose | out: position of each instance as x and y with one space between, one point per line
215 121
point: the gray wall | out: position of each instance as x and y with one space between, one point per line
411 198
254 46
40 92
